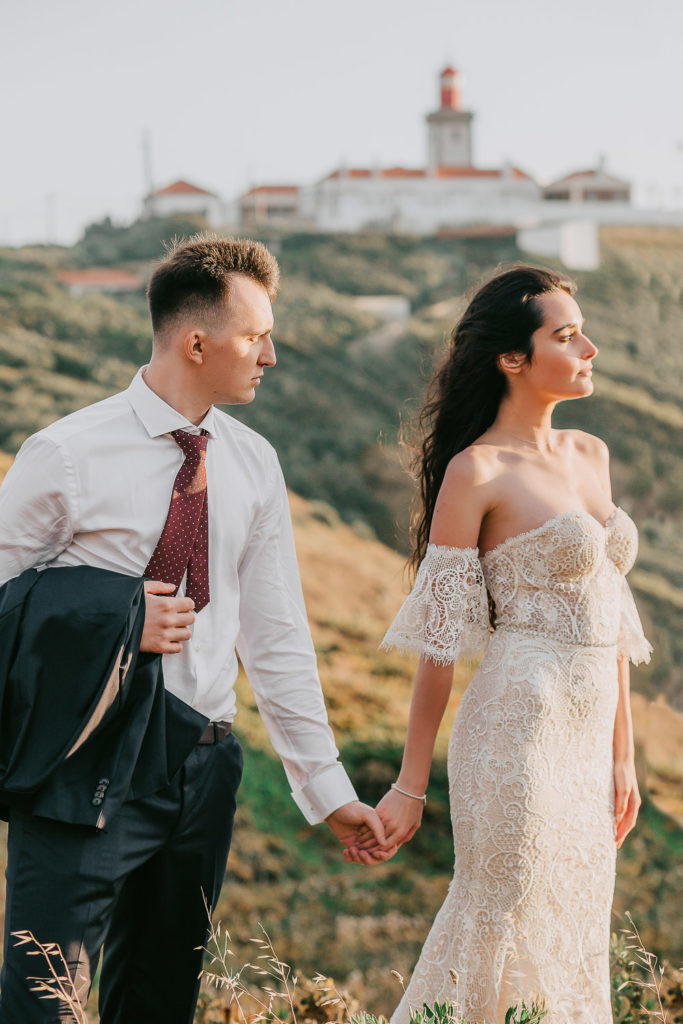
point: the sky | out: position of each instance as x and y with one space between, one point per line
232 94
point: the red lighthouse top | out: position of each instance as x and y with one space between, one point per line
450 89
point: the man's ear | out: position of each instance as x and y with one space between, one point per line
194 346
511 362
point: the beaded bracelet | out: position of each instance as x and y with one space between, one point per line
413 796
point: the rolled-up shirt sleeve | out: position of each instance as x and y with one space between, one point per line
277 652
37 507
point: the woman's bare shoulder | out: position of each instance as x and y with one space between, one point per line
587 444
594 452
463 499
473 466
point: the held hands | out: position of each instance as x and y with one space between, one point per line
626 798
401 817
355 824
167 619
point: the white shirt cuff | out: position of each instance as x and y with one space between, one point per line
324 793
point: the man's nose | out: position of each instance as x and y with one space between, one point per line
267 356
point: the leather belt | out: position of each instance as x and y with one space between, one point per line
215 732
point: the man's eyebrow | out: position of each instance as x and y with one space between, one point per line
248 331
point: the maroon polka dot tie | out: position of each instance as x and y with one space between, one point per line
184 543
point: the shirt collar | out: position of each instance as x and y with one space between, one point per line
156 416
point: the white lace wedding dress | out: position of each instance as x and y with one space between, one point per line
529 764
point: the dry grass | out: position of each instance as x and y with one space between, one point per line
353 588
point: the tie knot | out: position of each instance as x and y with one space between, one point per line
192 444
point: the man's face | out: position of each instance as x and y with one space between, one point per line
239 349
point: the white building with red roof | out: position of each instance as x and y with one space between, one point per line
183 198
593 185
276 204
450 191
100 279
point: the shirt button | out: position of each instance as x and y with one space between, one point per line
197 647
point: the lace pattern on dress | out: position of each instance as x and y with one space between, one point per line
632 642
446 615
530 767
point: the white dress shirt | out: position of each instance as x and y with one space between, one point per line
94 489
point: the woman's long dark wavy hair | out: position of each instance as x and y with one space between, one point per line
465 394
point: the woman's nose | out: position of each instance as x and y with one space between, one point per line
591 349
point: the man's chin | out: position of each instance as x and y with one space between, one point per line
244 399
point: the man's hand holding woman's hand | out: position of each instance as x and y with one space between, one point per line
167 619
355 824
401 817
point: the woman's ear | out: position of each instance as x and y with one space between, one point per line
511 362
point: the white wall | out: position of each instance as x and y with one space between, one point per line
576 243
190 203
418 205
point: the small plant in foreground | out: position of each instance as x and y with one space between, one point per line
639 991
59 984
445 1013
521 1014
316 1001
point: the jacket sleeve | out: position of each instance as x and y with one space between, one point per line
445 617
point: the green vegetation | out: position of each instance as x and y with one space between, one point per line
332 407
105 244
334 404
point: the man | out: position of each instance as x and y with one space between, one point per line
155 481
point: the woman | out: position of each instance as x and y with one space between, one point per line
541 769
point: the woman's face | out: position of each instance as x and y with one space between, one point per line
561 366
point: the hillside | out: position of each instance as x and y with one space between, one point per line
334 403
333 408
367 922
350 600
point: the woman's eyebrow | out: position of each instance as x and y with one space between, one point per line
564 327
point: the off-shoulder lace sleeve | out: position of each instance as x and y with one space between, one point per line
632 642
446 616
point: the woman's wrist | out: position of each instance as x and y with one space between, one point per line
422 797
414 783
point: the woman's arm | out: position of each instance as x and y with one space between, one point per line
626 795
402 815
460 507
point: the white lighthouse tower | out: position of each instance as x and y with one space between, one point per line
450 127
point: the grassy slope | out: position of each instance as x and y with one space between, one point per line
396 902
58 353
333 404
369 922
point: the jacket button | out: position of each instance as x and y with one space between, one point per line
103 782
96 801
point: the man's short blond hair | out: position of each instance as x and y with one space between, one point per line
193 280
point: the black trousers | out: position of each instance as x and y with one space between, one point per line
137 888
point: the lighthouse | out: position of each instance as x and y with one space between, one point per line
450 127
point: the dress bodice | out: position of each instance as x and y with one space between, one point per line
565 578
